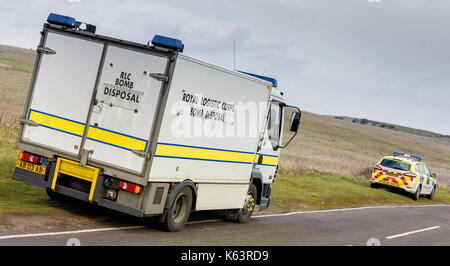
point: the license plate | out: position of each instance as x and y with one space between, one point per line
31 167
392 175
390 183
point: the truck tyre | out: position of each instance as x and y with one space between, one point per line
178 214
416 195
245 213
431 196
373 185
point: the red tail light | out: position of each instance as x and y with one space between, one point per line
130 187
27 157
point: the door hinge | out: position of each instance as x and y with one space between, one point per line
45 50
27 122
142 154
84 157
159 77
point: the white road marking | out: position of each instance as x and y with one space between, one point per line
73 232
350 209
213 220
413 232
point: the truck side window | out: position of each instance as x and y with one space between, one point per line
274 125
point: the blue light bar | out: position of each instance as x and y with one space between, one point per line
407 155
168 43
271 80
62 20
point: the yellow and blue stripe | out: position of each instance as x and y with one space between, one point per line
162 150
75 128
178 151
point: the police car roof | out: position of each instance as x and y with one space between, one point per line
401 158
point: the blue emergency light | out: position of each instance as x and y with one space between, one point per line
169 43
408 156
62 20
271 80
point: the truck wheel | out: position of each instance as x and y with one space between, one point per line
178 214
249 205
416 195
431 196
373 185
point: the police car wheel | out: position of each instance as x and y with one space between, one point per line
431 196
416 195
178 214
249 206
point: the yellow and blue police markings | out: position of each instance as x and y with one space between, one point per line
178 151
426 179
75 128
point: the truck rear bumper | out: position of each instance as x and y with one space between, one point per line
39 180
30 178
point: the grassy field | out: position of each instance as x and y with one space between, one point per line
16 196
16 65
318 191
324 167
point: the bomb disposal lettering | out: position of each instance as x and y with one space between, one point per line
120 93
207 108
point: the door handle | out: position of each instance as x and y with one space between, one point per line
28 122
142 154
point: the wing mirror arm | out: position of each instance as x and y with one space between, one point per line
295 123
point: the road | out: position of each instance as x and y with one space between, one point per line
385 225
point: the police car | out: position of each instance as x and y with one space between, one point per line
406 172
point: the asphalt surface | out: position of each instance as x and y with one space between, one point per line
389 225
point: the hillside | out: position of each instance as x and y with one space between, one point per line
16 65
391 126
323 144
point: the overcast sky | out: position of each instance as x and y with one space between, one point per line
386 60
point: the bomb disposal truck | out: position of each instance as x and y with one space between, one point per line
146 130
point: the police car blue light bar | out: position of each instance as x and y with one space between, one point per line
62 20
408 156
169 43
271 80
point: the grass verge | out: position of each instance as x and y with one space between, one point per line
320 191
16 196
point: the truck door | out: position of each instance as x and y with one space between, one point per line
267 159
123 114
62 91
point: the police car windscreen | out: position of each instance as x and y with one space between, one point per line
395 165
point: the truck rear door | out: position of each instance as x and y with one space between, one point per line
62 93
96 96
123 115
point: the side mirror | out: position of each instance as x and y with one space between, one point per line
433 175
295 121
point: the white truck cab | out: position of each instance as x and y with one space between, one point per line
147 130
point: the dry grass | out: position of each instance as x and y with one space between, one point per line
20 55
16 65
326 144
